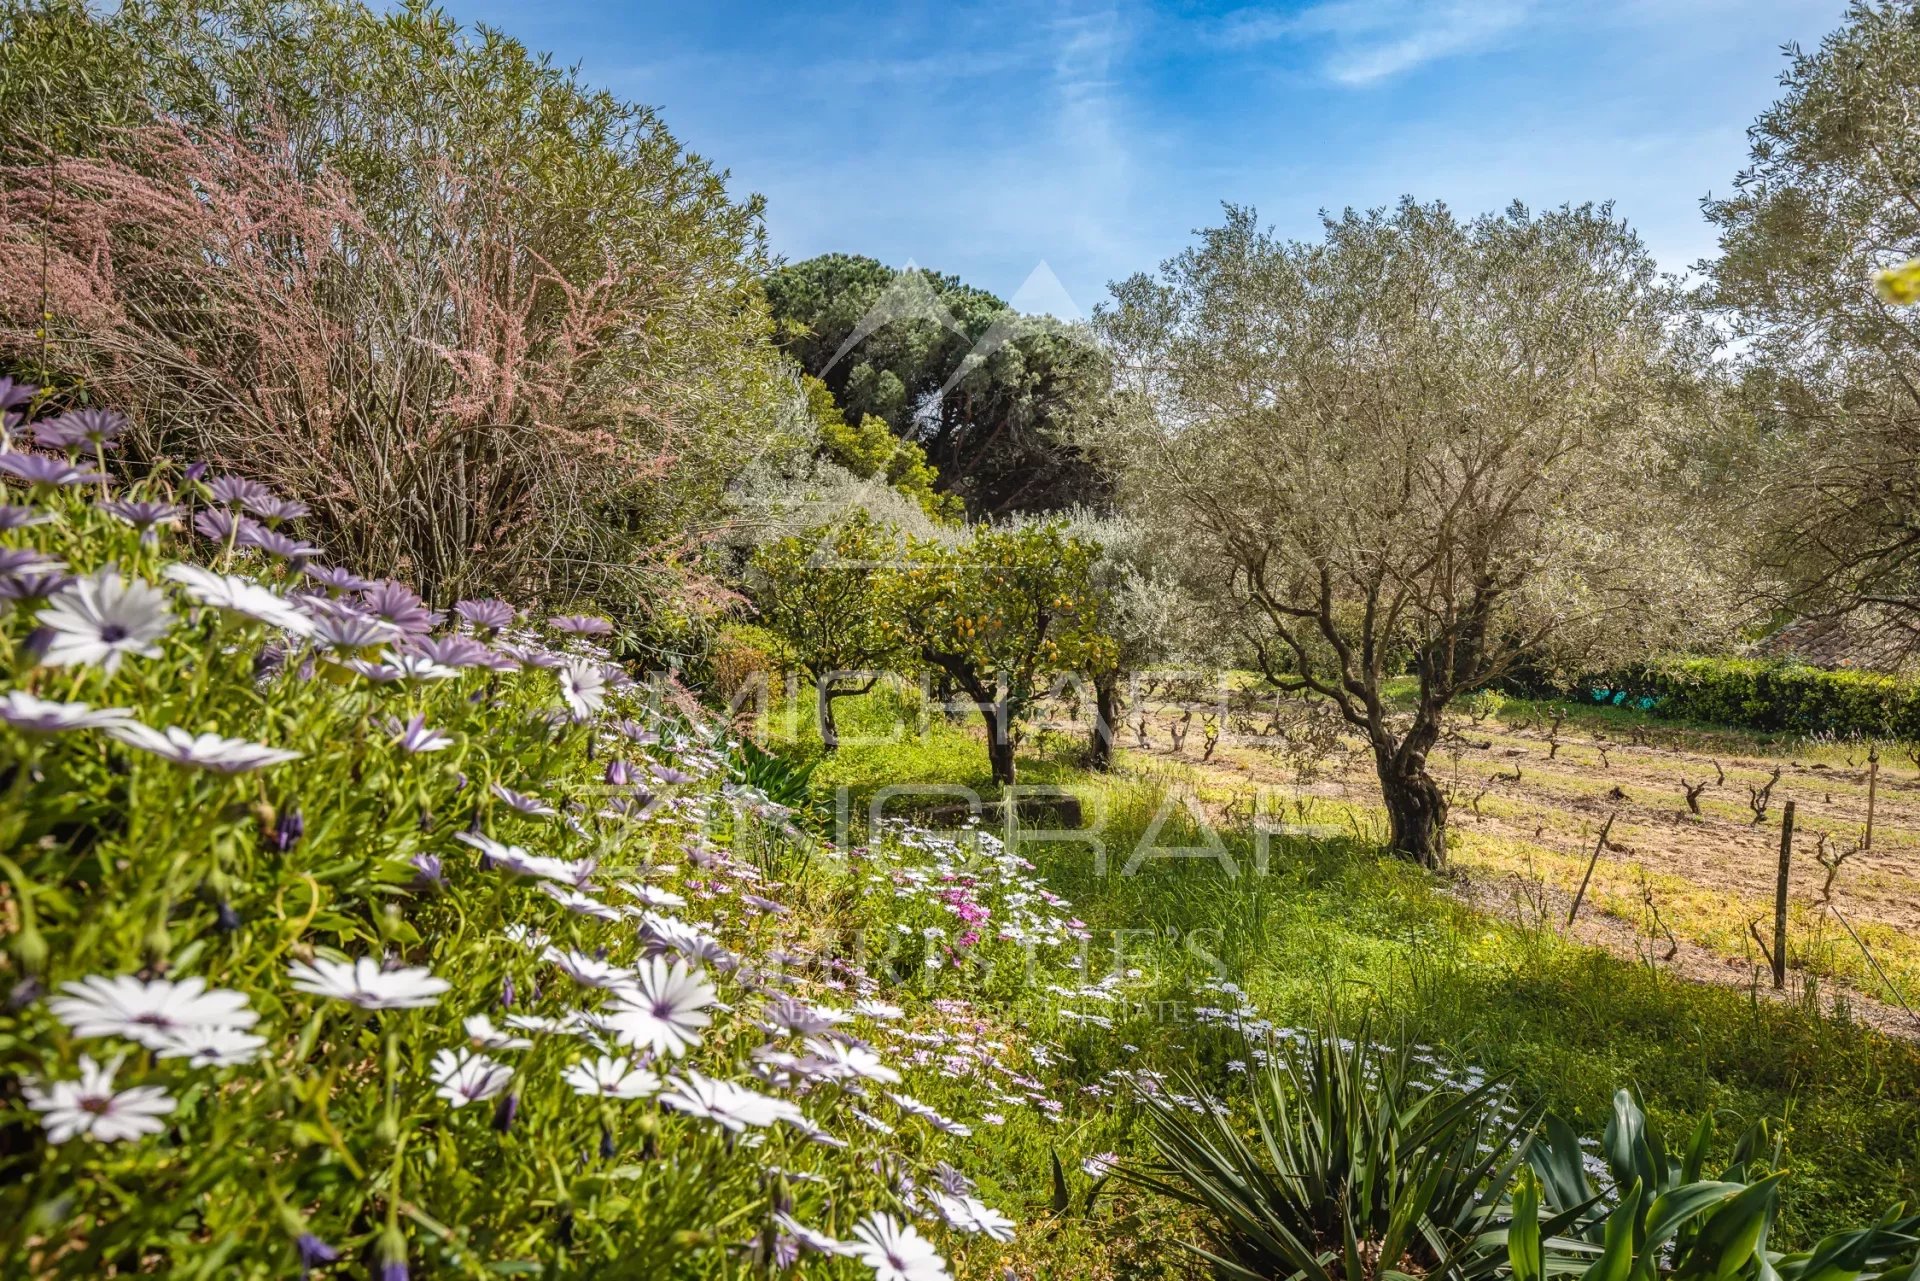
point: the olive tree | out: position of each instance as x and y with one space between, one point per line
1421 444
1831 369
1145 615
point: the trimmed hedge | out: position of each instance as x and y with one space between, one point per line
1762 694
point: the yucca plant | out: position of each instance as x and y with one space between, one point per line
1353 1165
1658 1215
782 781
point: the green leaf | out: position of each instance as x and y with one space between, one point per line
1524 1252
1727 1240
1616 1258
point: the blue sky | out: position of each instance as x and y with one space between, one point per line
987 139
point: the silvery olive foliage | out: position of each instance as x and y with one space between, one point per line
1420 443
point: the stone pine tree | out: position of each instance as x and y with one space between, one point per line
1419 445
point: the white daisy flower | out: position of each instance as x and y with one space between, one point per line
518 862
213 1046
147 1011
651 896
663 1007
588 970
90 1107
417 667
232 594
879 1010
42 716
583 687
786 1016
895 1250
526 936
610 1077
843 1062
365 984
205 751
580 904
808 1238
539 1023
102 619
725 1104
970 1214
483 1033
465 1077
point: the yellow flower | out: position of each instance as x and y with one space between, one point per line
1899 285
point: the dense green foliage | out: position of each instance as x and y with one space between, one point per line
870 450
1765 694
991 396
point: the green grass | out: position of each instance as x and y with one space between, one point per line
1333 924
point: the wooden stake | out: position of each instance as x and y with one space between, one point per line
1873 785
1597 847
1779 957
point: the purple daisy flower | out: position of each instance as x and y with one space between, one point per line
335 579
220 525
15 394
522 802
669 775
14 517
237 491
19 561
485 615
400 605
531 655
637 732
453 651
26 589
429 872
274 509
581 625
41 472
143 516
78 427
344 630
414 737
276 544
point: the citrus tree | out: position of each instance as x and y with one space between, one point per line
818 591
999 613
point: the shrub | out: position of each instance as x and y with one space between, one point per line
500 332
1788 698
742 655
1361 1164
1657 1212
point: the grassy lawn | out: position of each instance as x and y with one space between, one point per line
1332 925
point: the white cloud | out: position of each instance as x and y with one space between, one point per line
1367 41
